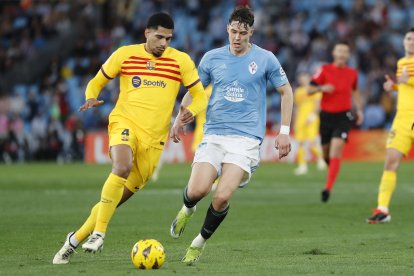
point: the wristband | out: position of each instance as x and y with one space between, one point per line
284 130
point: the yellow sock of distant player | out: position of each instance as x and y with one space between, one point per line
317 152
386 188
86 229
110 197
301 155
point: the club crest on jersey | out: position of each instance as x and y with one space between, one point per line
150 65
136 81
253 68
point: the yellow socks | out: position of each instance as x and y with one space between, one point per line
317 152
301 155
111 195
87 228
386 189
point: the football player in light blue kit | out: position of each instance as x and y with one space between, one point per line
235 126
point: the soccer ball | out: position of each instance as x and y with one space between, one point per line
148 254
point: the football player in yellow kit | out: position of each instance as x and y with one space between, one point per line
150 77
401 135
307 124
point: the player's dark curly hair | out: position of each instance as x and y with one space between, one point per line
160 19
410 30
243 15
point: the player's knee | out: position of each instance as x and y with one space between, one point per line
391 163
121 170
220 202
197 192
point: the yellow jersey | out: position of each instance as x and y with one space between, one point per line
405 100
305 104
149 86
200 121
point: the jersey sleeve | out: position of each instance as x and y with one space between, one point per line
275 73
112 66
189 74
204 71
319 76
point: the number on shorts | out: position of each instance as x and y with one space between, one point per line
125 132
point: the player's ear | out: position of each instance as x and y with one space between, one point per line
228 28
251 31
147 33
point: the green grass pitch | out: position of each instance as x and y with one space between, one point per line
276 225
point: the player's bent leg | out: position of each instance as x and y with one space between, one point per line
111 195
387 187
335 155
325 152
87 228
230 180
301 160
201 179
65 253
317 152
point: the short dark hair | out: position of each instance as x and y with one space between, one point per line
410 30
160 19
243 15
343 42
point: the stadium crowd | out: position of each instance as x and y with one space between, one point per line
39 118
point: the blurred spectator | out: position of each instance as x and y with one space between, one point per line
41 117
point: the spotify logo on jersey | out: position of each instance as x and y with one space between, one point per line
136 81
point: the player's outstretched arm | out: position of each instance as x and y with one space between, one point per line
389 85
282 142
92 91
326 88
183 118
91 103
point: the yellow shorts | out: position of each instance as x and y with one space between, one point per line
308 132
401 135
145 157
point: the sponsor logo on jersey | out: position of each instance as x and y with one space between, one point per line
253 68
151 65
136 81
235 92
162 84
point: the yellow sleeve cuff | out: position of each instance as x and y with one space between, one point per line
199 99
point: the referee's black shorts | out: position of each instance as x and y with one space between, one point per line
335 125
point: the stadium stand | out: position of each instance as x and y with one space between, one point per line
50 49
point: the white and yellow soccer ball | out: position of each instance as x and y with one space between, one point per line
148 254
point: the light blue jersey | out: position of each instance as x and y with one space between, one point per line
237 105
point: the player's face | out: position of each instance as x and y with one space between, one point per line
409 43
239 36
341 54
303 79
157 40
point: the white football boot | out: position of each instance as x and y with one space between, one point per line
64 254
93 244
